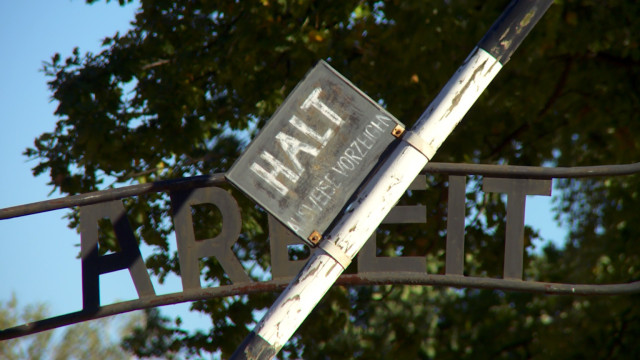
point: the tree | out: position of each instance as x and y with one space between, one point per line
86 340
35 348
179 93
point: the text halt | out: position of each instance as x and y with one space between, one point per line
314 152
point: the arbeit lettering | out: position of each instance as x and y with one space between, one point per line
191 250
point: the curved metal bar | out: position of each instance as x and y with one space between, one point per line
532 172
360 279
415 278
111 194
501 171
382 278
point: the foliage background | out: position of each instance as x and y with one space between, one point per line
164 99
93 339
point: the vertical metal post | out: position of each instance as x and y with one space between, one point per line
371 206
517 191
454 261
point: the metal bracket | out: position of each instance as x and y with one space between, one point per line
415 141
336 253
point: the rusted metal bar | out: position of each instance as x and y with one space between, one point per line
112 194
532 172
498 171
362 279
365 279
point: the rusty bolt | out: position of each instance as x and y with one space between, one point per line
397 131
315 237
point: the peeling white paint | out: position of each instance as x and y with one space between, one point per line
381 194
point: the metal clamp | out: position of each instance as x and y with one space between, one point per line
415 141
336 253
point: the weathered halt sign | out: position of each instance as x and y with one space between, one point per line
314 152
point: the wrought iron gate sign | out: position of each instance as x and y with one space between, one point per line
314 152
515 182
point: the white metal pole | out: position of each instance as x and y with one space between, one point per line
390 182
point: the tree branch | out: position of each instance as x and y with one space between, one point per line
156 64
557 91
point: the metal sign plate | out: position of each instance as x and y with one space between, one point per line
314 152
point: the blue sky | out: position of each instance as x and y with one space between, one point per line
38 256
38 259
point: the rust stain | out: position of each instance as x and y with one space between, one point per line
458 97
527 19
330 269
346 250
491 67
310 273
293 298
